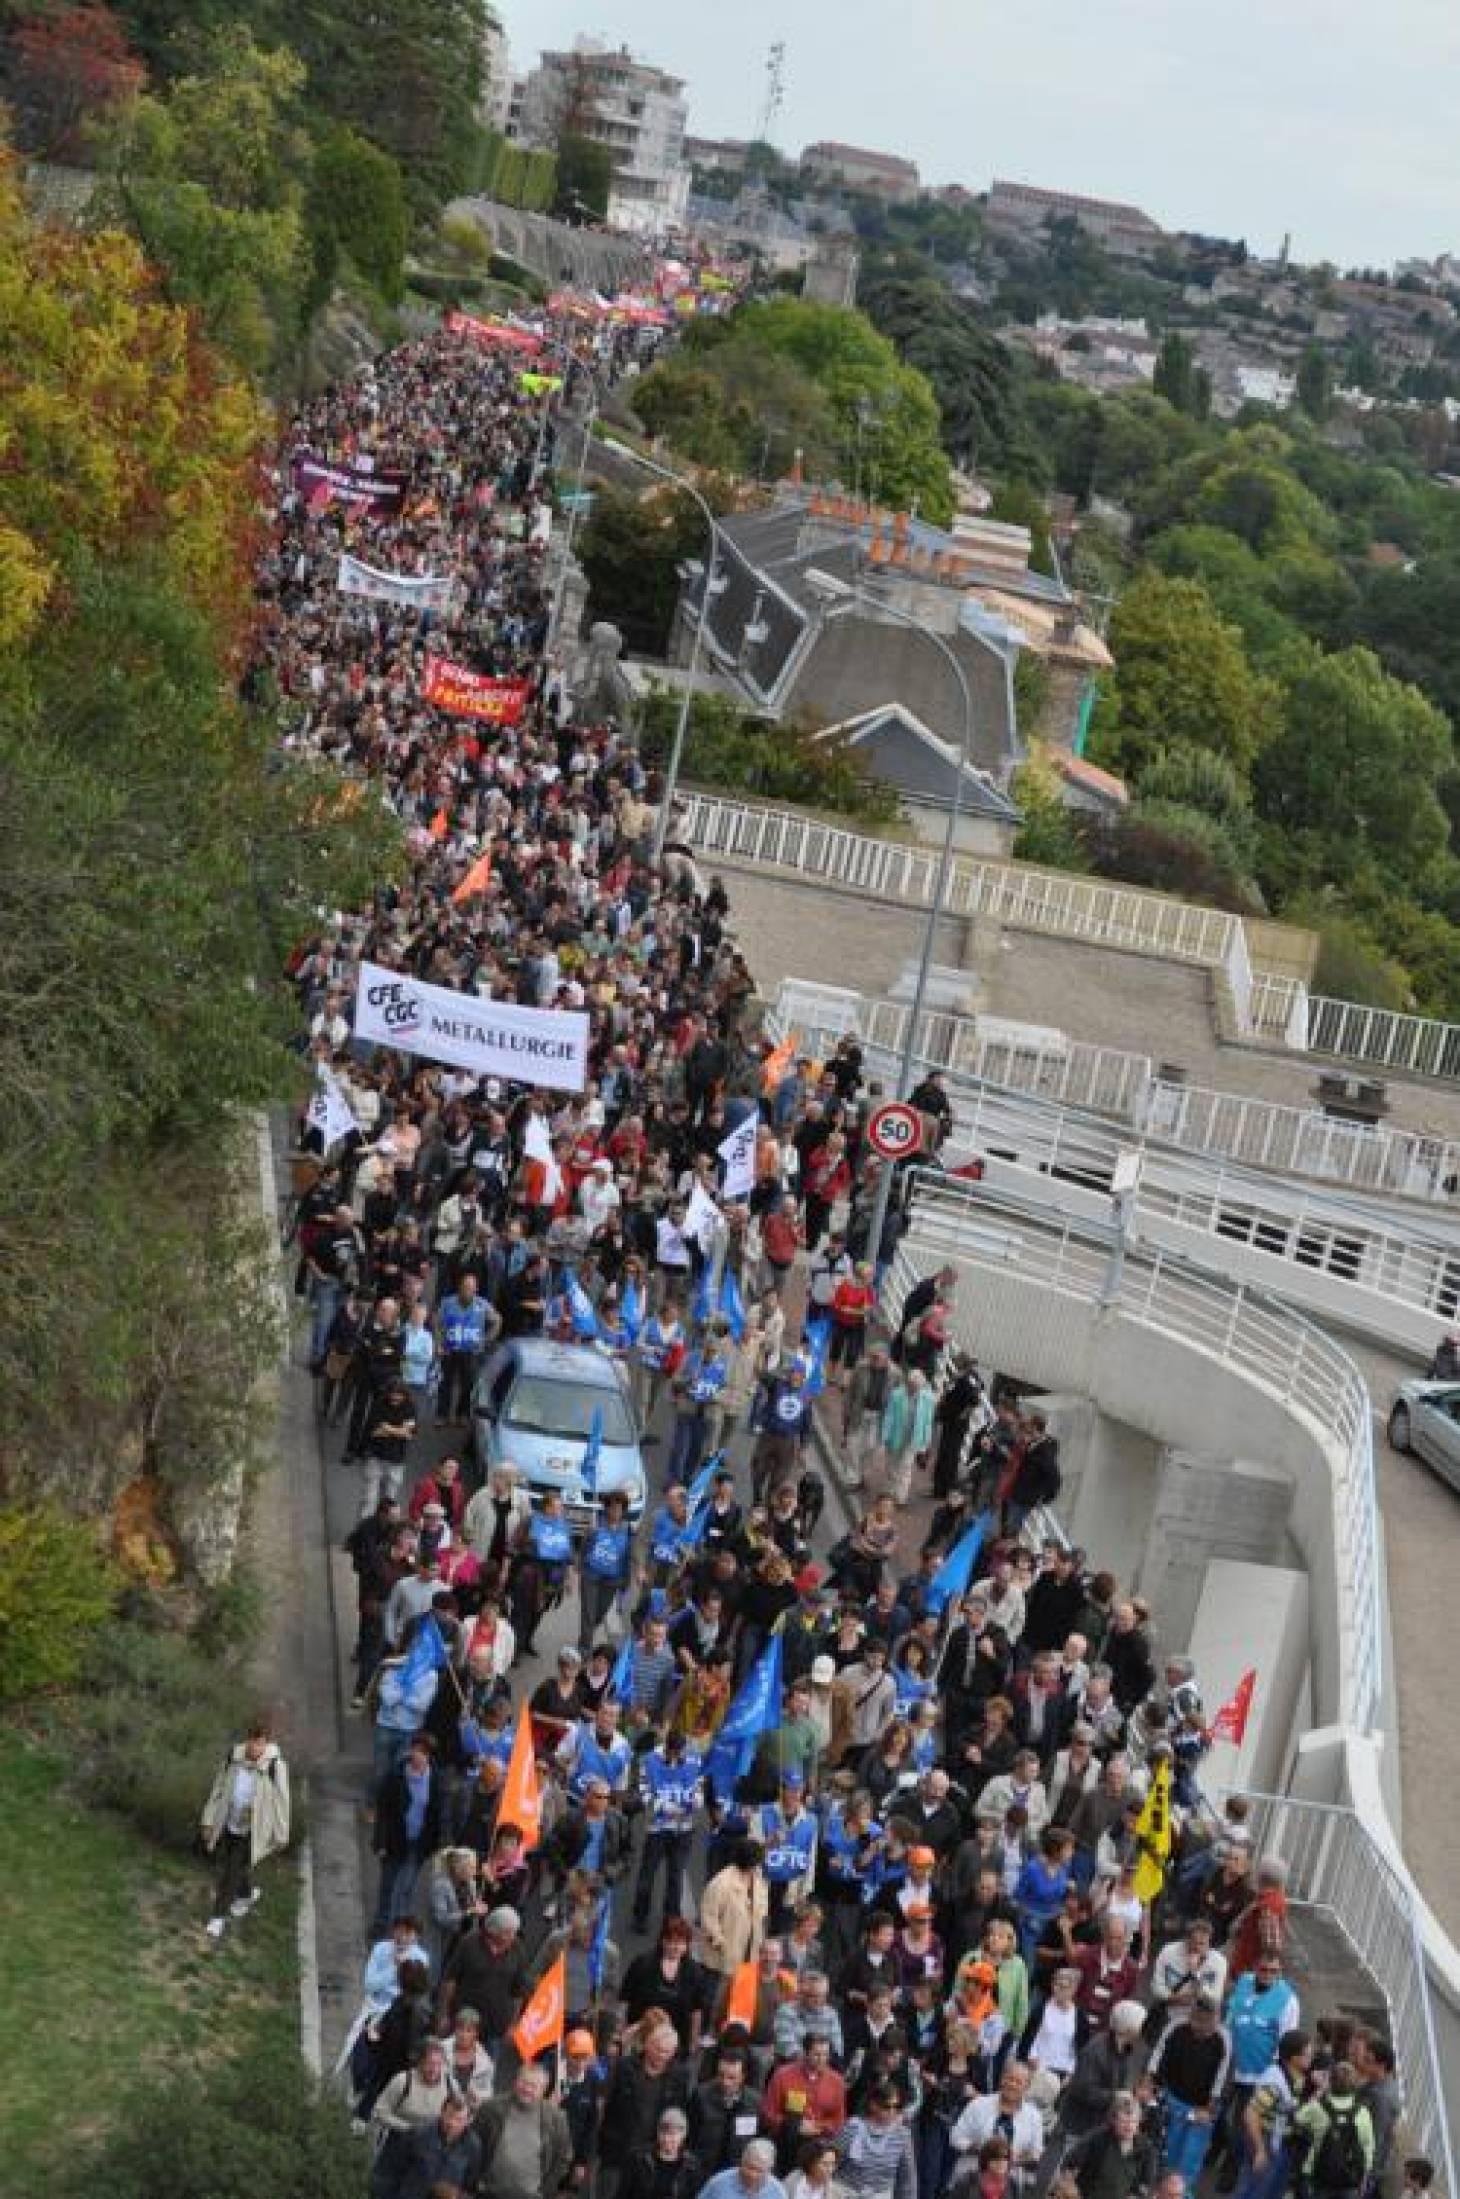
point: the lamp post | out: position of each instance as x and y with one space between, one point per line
681 723
838 598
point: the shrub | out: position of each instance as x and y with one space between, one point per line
55 1592
258 2123
729 749
153 1728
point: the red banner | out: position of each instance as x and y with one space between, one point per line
471 694
492 332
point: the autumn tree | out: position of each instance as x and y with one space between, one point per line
66 72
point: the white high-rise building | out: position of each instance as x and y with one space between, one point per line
496 99
637 111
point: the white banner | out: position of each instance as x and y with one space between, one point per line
737 1151
418 591
495 1038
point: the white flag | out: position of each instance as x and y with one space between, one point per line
330 1113
537 1144
702 1221
737 1151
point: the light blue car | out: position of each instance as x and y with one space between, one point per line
533 1407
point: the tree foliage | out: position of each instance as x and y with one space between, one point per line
1182 679
66 72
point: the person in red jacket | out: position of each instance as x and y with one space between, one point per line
828 1178
851 1310
780 1241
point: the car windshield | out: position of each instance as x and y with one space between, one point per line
540 1406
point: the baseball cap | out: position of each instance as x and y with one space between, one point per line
823 1671
791 1777
580 2042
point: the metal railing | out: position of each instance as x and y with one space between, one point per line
1266 1005
1048 901
1337 1868
1412 1044
1254 1133
1258 1339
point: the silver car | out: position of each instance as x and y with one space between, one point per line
1425 1419
535 1405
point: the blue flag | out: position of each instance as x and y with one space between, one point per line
700 1308
631 1311
755 1710
699 1501
598 1952
621 1680
815 1340
956 1571
732 1305
427 1653
592 1453
580 1308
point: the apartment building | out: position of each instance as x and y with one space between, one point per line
637 111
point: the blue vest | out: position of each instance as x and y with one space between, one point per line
1253 2015
594 1761
666 1537
463 1328
606 1553
790 1849
840 1850
551 1539
672 1790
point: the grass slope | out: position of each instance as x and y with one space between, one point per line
109 1978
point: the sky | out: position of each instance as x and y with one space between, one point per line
1330 119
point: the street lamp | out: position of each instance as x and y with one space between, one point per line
681 723
837 598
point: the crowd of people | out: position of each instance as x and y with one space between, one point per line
902 1938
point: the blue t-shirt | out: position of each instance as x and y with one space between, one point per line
606 1553
667 1536
707 1380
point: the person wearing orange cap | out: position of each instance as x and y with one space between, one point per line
580 2096
917 1889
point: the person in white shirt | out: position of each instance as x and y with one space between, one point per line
1020 1784
1007 2114
1186 1967
1055 2045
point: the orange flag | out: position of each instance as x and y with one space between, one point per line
777 1063
540 2024
477 879
744 1993
521 1803
439 826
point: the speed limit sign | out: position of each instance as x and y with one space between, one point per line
895 1131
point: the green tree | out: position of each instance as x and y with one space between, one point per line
1175 375
631 550
1315 383
213 177
1182 678
584 177
1352 771
356 206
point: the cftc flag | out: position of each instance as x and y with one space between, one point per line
330 1113
737 1152
1153 1833
755 1710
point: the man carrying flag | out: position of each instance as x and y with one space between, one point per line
1153 1834
956 1571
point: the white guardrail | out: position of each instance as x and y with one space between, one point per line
1256 1133
1340 1863
1267 1005
1368 1271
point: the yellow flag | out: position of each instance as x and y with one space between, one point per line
1153 1830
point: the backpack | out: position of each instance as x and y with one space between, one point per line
1338 2162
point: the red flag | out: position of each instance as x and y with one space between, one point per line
477 879
541 2023
740 2004
521 1803
1230 1723
439 826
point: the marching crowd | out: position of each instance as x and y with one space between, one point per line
814 1865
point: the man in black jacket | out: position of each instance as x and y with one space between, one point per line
596 1836
1055 1600
643 2084
407 1828
724 2115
